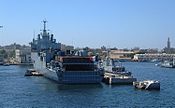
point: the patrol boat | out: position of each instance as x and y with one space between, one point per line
53 63
116 74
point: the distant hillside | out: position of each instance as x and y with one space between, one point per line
8 51
14 46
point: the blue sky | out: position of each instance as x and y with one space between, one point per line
93 23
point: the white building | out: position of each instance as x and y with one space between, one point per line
150 57
23 56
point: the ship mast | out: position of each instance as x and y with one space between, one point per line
44 21
44 30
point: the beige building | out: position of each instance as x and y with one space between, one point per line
121 55
67 48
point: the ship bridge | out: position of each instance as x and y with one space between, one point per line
44 41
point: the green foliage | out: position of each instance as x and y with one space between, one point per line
12 53
3 53
131 55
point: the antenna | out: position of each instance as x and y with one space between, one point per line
33 34
44 21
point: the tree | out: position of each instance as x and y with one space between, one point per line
12 54
3 53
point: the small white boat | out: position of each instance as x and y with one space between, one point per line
32 72
147 85
168 64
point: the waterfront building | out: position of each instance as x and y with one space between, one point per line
150 57
15 54
121 55
67 48
23 56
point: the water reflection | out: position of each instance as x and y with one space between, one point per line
79 86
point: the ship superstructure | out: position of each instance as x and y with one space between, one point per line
45 43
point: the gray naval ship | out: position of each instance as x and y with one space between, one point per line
55 64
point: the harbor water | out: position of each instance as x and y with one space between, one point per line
18 91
